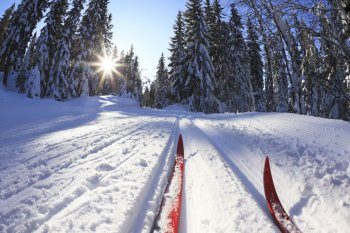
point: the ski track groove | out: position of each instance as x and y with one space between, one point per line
135 207
34 142
95 180
153 194
239 172
59 167
233 191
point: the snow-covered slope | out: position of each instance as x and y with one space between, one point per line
101 164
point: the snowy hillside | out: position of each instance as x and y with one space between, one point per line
100 164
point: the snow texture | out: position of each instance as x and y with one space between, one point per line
100 164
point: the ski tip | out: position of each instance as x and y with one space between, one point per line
180 146
267 164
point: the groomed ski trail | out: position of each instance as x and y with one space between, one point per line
80 187
101 164
296 148
215 198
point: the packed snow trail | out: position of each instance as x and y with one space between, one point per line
215 199
74 179
309 159
101 164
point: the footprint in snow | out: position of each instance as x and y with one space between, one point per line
104 167
143 163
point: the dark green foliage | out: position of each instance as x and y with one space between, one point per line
4 23
162 84
256 68
177 71
29 62
19 31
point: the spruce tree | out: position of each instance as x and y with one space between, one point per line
48 41
215 26
177 71
243 99
137 91
334 102
122 85
94 30
221 54
4 23
210 21
200 71
108 35
60 83
95 35
162 84
29 62
21 26
279 75
256 68
146 97
130 71
152 95
115 76
310 71
268 42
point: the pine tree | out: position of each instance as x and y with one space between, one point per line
210 21
256 68
146 97
200 70
243 99
29 62
335 103
60 83
137 91
122 72
310 71
130 71
95 34
220 52
108 34
115 76
4 23
81 74
152 95
33 83
215 26
279 75
94 29
48 41
21 26
162 84
177 70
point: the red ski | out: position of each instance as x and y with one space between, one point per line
283 221
170 210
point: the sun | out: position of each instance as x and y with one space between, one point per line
107 65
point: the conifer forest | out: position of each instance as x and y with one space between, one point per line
245 56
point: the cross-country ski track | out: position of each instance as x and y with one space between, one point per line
102 164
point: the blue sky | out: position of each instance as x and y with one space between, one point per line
147 24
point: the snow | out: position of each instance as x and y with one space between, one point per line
100 164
